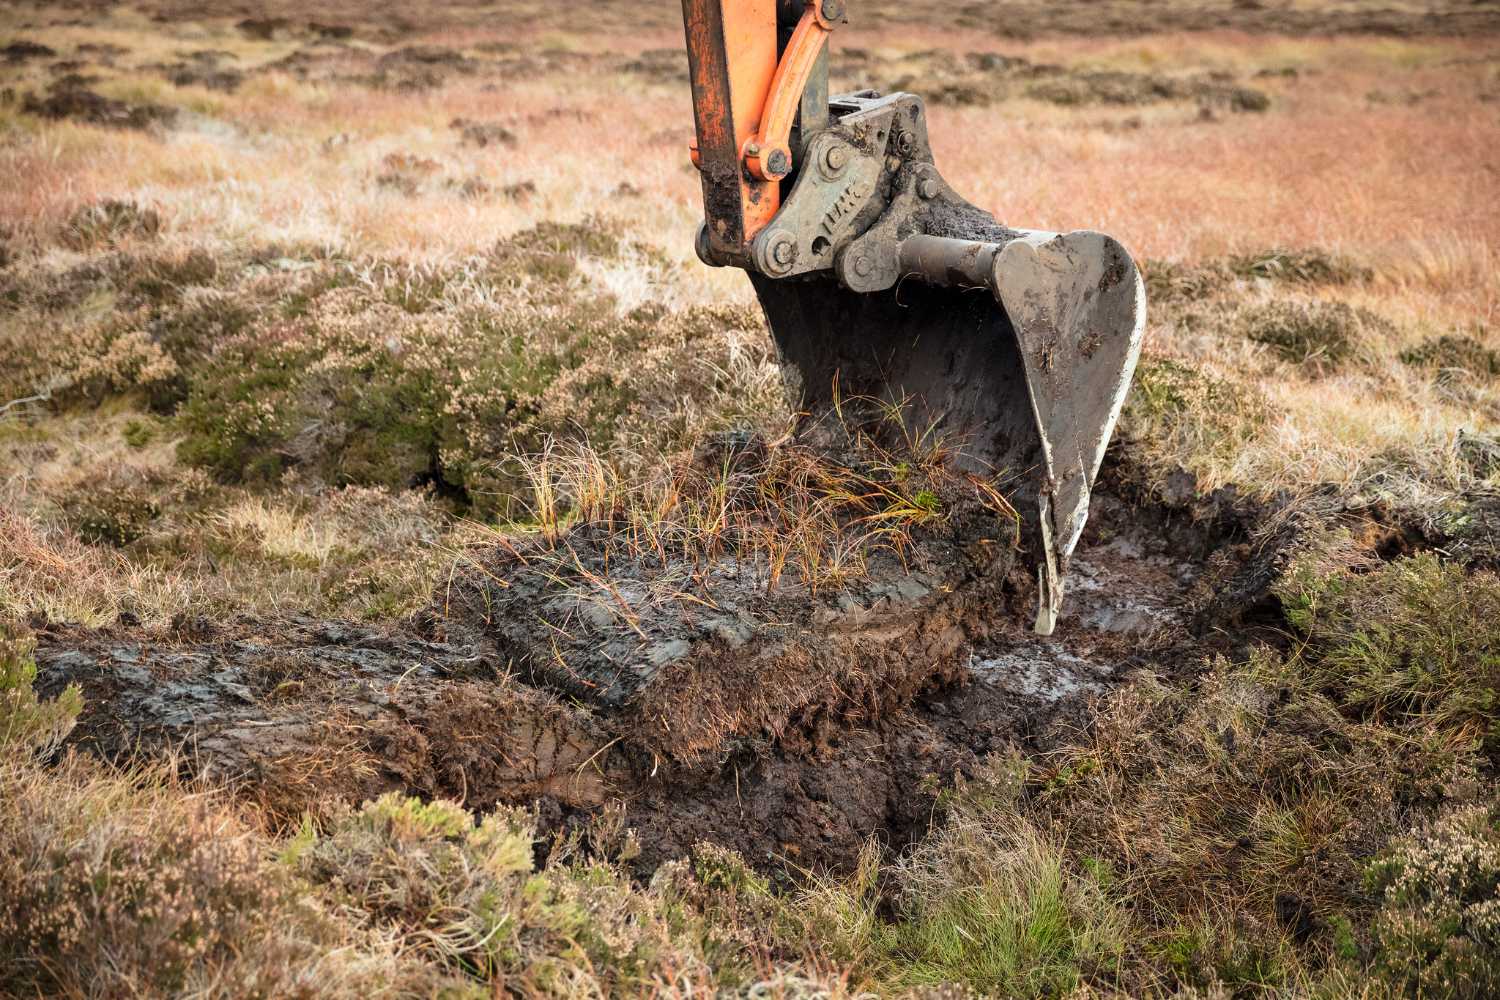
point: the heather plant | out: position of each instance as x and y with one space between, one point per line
108 222
1320 336
83 361
128 884
426 376
466 892
1438 929
111 511
1179 412
1453 355
1171 283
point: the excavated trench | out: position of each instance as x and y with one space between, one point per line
786 723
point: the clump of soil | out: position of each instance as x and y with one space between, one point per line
735 620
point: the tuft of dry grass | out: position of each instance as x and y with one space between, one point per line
783 508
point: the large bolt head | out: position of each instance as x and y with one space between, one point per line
777 164
927 188
863 265
777 253
836 158
905 143
833 10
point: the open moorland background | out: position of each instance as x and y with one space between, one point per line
311 319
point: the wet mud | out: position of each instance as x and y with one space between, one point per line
791 727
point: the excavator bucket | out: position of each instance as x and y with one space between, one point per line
1018 353
879 281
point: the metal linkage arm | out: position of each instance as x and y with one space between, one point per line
770 156
746 96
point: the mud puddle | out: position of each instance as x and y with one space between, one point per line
1126 592
790 728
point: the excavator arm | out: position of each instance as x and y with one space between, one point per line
878 280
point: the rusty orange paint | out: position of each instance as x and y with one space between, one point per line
796 66
750 40
732 52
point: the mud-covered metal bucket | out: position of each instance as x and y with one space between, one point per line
1015 347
